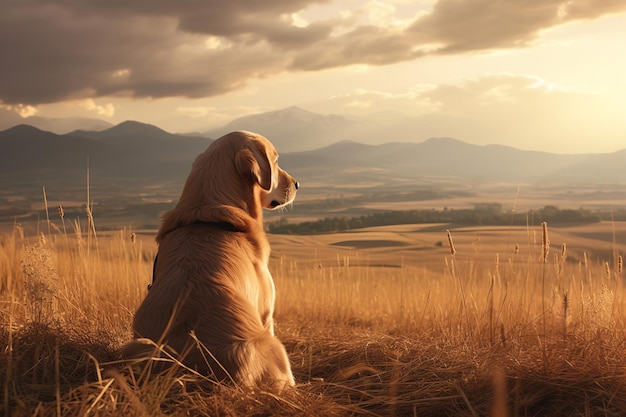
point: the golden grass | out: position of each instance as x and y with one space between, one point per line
471 329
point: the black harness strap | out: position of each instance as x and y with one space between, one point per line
229 227
153 270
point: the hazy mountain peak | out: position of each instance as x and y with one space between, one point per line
445 141
25 130
291 129
298 113
288 115
294 111
131 127
343 146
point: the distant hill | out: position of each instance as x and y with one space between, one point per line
128 149
291 129
27 150
451 158
144 137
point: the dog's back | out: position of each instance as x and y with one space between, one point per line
211 283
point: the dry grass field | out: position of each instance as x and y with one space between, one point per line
389 321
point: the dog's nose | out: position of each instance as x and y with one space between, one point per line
297 184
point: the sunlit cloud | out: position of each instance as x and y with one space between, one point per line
414 100
121 73
383 14
217 42
23 110
106 110
297 20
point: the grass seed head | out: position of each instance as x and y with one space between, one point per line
545 241
451 243
41 281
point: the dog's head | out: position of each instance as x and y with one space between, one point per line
257 162
237 173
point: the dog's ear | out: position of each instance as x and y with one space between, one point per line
253 160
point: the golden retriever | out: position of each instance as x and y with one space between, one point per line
212 296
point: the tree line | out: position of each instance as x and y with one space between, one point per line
481 214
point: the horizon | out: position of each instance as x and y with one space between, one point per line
416 141
546 77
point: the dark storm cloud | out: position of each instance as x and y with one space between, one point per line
58 50
53 51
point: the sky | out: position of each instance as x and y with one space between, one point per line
533 74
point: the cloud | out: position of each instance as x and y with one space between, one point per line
487 24
528 111
415 100
487 94
52 53
20 109
57 50
480 98
106 110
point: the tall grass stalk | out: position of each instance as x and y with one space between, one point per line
45 203
457 277
62 217
545 250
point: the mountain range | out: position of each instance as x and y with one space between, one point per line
311 145
130 149
294 129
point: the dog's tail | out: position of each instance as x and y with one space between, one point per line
140 348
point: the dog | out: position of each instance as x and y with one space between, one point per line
211 301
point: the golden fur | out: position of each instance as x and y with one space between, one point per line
212 298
